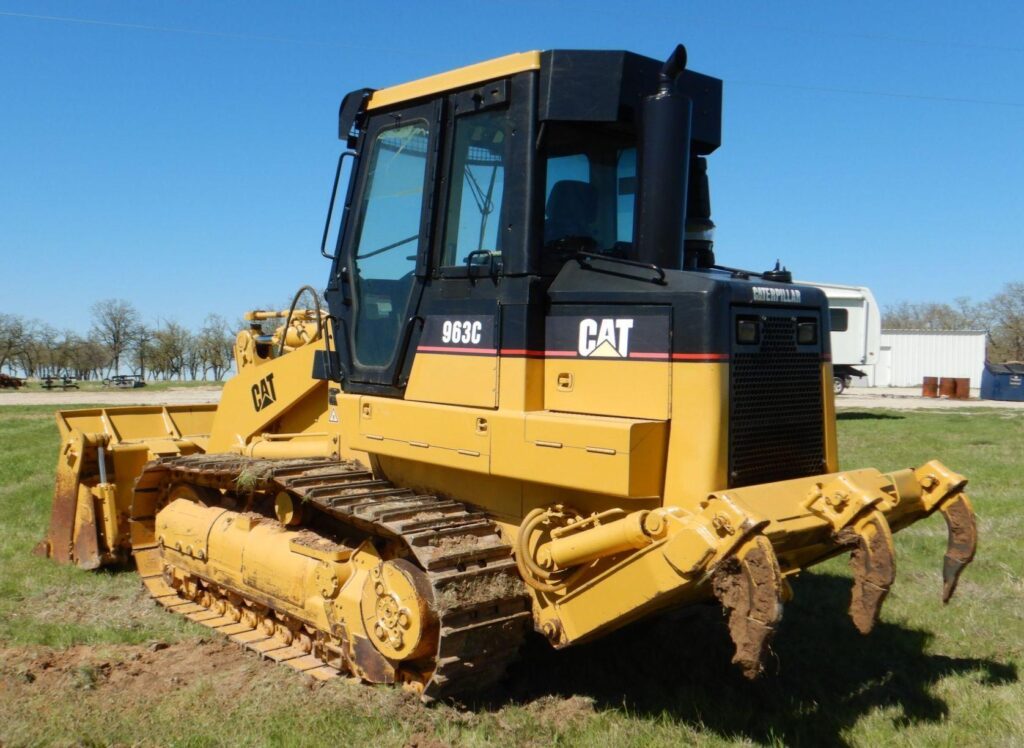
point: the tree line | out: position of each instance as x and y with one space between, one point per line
1002 316
118 341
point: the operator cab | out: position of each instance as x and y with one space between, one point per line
471 191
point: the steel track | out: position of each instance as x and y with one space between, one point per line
459 550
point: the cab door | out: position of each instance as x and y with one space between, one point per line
456 359
384 260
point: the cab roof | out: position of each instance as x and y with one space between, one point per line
572 86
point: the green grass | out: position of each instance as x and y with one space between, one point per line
928 675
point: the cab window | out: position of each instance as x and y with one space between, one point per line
384 259
589 198
473 221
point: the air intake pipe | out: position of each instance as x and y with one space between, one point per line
664 165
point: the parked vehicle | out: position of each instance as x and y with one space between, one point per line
125 381
856 331
63 383
9 382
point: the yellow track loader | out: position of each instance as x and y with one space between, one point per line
530 400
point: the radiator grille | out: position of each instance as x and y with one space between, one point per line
776 428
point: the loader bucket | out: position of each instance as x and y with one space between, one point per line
101 454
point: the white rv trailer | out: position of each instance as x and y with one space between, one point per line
856 331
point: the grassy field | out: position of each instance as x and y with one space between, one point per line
86 659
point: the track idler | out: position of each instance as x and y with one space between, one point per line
749 586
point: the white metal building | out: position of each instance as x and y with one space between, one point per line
908 356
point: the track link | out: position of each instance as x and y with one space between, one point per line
482 605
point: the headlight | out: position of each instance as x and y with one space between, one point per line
748 331
807 333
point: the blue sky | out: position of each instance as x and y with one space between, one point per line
179 154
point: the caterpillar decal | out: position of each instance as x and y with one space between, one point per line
465 333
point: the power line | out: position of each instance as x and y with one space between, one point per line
193 32
768 84
817 32
887 94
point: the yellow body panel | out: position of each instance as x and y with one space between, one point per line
699 447
454 380
521 383
481 72
260 395
630 389
421 425
619 456
829 414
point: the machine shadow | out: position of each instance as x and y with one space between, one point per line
822 678
859 415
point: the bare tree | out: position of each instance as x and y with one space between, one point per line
88 358
37 354
170 352
115 325
1007 332
141 348
961 315
13 335
215 346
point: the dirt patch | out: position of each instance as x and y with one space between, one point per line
172 396
749 592
909 398
963 542
478 589
334 467
146 669
310 539
874 570
454 543
426 516
561 711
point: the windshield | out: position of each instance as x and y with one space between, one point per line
590 193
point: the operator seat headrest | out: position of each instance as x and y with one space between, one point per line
571 210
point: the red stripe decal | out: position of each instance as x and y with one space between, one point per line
573 354
662 356
520 352
700 356
454 349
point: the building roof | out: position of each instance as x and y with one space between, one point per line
934 332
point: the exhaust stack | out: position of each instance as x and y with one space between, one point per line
664 168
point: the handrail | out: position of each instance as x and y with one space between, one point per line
330 205
583 257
